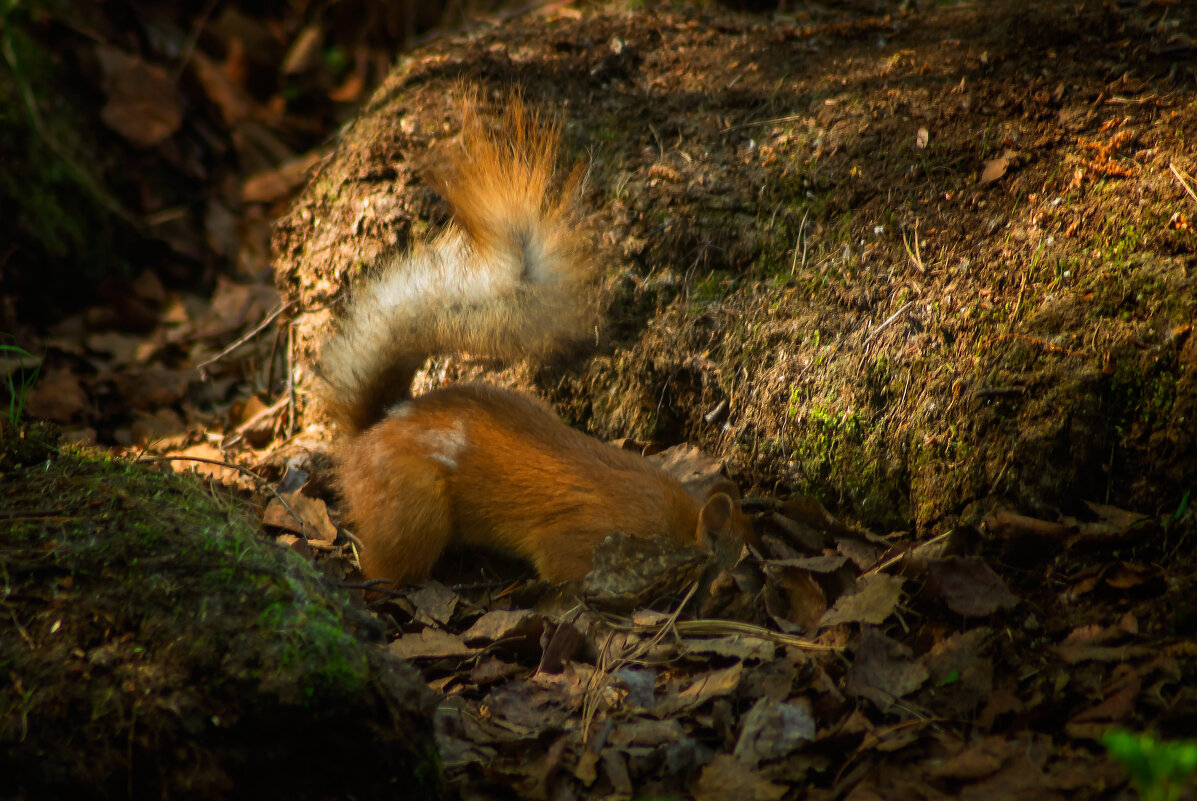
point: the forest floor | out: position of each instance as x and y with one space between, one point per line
923 281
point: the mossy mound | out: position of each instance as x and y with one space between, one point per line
850 257
156 647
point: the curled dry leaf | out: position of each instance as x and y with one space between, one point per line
773 730
873 601
430 644
57 396
884 670
143 102
726 777
307 517
630 571
969 586
995 168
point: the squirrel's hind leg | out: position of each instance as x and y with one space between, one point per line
396 502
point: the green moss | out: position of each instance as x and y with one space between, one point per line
194 633
840 457
1141 393
712 287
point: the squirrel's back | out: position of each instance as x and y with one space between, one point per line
504 279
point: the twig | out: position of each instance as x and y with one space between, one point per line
261 482
916 256
887 323
264 413
1017 303
794 260
209 7
1183 182
774 121
720 627
291 380
269 385
604 668
1034 341
38 514
242 340
898 557
372 586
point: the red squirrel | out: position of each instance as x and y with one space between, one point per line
472 463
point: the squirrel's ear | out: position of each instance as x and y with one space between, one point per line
715 518
726 487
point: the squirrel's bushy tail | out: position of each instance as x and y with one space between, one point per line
504 279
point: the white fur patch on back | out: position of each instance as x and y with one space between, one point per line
400 410
445 445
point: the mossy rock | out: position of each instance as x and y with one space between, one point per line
155 646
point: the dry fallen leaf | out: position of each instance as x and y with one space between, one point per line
430 644
969 586
995 168
1117 705
179 463
434 602
884 670
726 777
874 600
57 396
234 102
977 761
504 624
271 185
123 348
143 101
164 429
704 687
307 517
961 675
773 730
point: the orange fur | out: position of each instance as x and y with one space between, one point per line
479 464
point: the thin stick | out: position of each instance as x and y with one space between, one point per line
603 669
193 39
1041 342
242 340
1183 182
916 257
887 323
261 482
291 380
898 557
718 627
264 413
